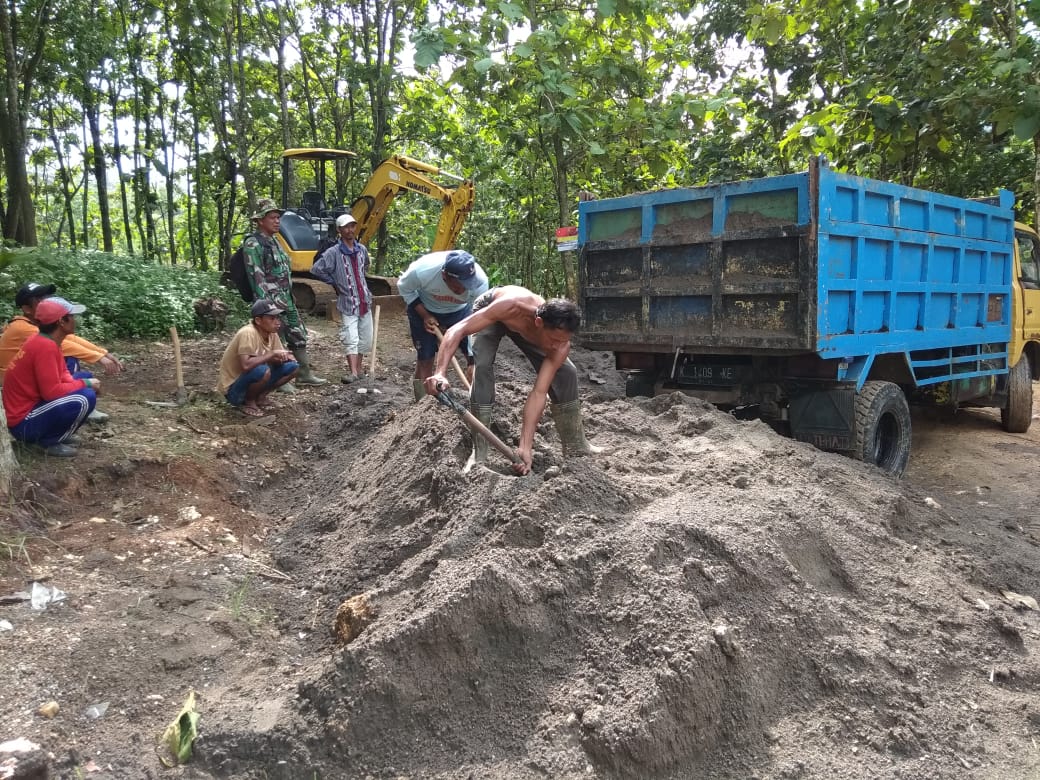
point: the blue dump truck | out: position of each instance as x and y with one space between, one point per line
822 302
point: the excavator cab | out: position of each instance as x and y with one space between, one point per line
312 204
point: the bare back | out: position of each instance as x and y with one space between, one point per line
516 307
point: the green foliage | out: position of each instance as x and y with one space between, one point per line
535 100
125 296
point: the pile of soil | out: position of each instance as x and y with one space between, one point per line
706 599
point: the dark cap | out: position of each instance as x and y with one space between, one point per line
32 290
461 266
263 307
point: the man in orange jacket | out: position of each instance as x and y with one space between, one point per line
74 348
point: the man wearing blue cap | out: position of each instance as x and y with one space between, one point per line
439 289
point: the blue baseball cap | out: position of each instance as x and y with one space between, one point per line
462 267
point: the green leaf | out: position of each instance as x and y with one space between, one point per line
1026 127
511 11
427 52
606 8
595 148
774 28
484 65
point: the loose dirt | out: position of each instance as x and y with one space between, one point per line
708 599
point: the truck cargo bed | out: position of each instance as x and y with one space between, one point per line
814 262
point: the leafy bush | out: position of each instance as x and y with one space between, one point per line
126 297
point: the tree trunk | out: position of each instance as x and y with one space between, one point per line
117 156
237 85
563 205
8 464
91 107
168 144
19 72
148 196
84 196
64 178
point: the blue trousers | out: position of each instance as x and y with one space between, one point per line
51 422
236 394
425 342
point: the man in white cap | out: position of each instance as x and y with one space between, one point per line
44 403
439 289
344 265
270 274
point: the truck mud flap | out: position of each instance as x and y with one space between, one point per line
825 418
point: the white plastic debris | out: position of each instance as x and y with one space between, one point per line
188 514
20 745
5 625
95 711
929 501
42 596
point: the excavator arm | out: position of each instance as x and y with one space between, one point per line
399 174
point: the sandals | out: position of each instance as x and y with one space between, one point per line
251 411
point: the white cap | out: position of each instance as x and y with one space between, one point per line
345 219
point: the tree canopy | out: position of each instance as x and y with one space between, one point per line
152 129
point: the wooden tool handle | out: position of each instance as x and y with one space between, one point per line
454 362
177 356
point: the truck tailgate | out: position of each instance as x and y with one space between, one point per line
722 266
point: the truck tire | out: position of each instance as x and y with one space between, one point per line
639 385
304 297
1017 414
883 427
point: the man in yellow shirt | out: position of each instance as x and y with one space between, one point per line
255 362
74 348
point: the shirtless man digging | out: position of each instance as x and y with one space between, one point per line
542 330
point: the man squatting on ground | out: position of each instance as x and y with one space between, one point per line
542 330
44 403
343 265
439 289
267 267
74 347
255 362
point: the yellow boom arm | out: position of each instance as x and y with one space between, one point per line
399 174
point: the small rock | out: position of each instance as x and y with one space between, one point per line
723 635
48 710
592 719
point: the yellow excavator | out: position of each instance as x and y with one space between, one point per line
313 219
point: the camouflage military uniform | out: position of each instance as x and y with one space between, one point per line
269 274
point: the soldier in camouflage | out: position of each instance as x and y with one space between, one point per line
269 271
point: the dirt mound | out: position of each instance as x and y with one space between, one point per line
707 600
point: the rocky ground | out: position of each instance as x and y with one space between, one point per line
707 599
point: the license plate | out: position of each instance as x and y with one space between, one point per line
711 374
